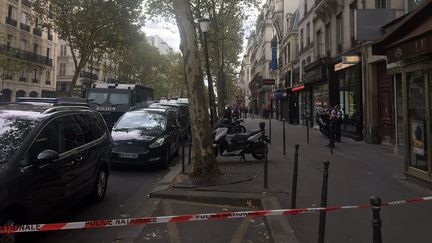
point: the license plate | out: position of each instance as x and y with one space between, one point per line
128 156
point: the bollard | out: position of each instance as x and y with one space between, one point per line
266 168
284 143
190 150
376 220
183 155
307 129
295 173
322 218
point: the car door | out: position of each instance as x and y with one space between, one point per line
45 185
173 130
92 151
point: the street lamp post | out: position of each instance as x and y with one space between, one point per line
204 24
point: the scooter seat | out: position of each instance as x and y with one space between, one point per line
239 137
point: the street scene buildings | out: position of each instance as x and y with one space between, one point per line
333 52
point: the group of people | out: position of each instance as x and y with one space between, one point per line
236 112
335 119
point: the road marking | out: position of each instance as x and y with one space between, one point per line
241 231
172 228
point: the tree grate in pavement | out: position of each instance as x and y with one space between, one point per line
184 181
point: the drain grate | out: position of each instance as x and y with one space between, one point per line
225 179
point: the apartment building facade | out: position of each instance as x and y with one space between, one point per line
262 79
32 47
101 71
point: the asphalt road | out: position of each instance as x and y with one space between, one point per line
127 194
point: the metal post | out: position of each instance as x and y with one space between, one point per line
270 118
307 129
266 168
376 220
190 150
322 218
183 155
283 130
295 174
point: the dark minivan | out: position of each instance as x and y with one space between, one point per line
51 157
148 136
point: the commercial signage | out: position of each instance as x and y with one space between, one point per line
417 137
350 59
341 66
268 82
298 88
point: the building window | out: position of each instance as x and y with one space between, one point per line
381 4
62 69
319 44
48 54
35 48
63 87
289 52
63 50
353 7
301 39
308 40
339 32
47 77
327 39
305 7
11 12
23 44
34 76
24 18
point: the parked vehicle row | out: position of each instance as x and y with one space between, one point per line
55 152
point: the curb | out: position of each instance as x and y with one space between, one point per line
212 197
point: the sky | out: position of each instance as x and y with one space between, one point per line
169 32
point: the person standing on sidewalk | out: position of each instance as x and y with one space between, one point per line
338 122
332 128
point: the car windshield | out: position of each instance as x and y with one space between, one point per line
141 120
114 98
13 130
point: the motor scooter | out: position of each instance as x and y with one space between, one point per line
254 142
324 123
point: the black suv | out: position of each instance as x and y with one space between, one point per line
183 118
51 157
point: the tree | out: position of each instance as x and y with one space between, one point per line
203 160
92 28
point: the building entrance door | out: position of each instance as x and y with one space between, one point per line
385 105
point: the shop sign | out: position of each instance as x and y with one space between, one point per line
409 49
313 75
298 88
350 59
417 137
268 82
341 66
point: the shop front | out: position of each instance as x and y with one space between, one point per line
316 79
408 48
348 87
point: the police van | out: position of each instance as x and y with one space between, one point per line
113 100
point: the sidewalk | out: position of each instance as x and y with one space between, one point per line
357 171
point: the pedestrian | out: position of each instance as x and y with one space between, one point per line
332 133
338 123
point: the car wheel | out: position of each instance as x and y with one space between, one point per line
100 186
166 159
7 219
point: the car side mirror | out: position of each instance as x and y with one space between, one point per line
47 156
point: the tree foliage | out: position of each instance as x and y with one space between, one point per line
225 37
92 28
144 64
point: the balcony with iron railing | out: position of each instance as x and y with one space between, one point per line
22 79
35 80
25 27
26 3
91 76
11 21
37 31
25 55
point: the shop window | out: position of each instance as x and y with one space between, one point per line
399 111
417 119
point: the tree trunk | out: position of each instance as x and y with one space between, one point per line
203 159
74 80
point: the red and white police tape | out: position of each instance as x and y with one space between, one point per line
184 218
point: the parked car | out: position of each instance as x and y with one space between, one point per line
51 157
183 118
148 136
